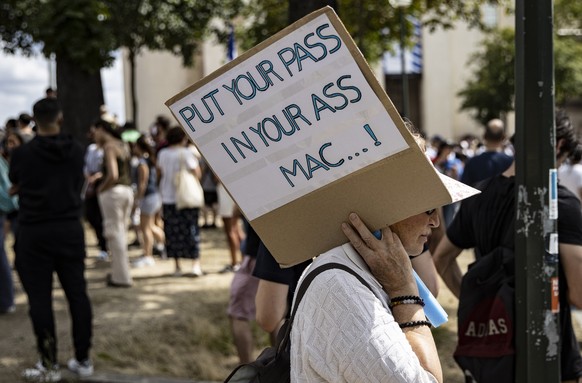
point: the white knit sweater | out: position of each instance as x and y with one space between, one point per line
344 333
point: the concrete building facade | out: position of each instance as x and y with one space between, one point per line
160 75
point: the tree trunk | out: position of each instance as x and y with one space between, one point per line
80 94
300 8
132 84
361 31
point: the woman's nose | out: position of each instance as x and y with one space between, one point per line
434 220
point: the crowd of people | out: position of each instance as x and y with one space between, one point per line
124 180
488 221
131 186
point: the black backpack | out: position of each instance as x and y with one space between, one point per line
486 314
273 365
485 349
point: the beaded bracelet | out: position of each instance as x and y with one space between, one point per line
415 323
406 300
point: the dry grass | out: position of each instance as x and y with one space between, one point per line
164 326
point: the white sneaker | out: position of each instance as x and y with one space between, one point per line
40 373
103 256
229 269
143 262
197 271
83 369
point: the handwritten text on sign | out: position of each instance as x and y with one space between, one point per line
289 119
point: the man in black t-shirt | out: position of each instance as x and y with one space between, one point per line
570 247
482 223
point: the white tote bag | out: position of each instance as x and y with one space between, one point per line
189 193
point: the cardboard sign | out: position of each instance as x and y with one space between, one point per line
300 133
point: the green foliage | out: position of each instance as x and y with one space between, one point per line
490 92
373 24
263 18
568 49
567 69
84 33
87 31
176 26
70 28
16 32
568 14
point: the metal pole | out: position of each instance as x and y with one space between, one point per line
536 271
403 64
52 72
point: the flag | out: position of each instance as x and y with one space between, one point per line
417 49
231 46
391 62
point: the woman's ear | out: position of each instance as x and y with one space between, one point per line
559 145
560 155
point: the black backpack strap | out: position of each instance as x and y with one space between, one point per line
303 288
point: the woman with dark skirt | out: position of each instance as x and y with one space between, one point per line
180 226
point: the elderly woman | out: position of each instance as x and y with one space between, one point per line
345 331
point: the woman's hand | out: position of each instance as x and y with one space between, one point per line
386 257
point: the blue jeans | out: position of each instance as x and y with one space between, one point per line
6 284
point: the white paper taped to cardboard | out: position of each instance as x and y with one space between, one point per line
292 118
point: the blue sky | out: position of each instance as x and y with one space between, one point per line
24 80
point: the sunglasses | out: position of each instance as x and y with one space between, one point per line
429 212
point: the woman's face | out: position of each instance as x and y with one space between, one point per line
414 231
98 135
136 150
12 142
